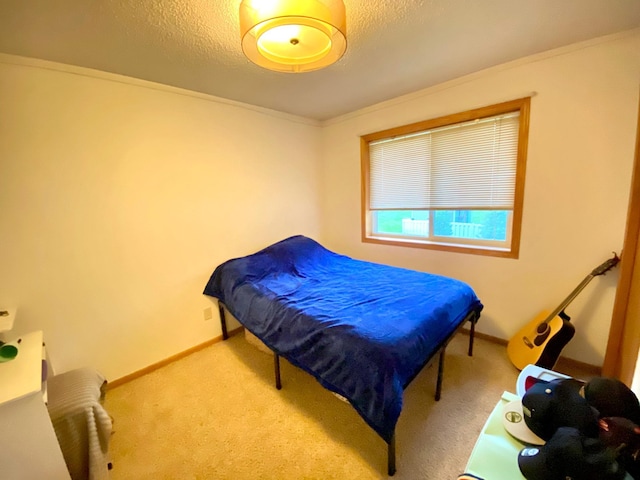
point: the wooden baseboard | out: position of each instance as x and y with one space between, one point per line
484 336
563 363
137 374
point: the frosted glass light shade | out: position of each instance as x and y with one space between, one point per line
293 35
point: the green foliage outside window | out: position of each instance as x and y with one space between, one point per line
494 223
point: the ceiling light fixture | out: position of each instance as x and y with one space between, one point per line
293 35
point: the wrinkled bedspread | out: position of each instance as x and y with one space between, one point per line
363 330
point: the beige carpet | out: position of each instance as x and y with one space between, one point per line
217 415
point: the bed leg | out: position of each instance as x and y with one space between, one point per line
440 371
472 333
276 365
391 456
223 321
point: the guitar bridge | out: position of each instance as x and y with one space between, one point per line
527 342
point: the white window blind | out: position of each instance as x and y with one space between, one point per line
462 166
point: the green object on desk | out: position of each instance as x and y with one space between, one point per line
7 352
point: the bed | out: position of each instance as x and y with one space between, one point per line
363 330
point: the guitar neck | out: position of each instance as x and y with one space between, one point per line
569 298
600 270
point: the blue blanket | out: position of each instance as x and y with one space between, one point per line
362 329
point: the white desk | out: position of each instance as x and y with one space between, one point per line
495 454
29 448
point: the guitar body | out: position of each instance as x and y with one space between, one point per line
540 341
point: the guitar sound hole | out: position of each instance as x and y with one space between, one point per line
542 337
542 328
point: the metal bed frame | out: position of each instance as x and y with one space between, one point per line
472 317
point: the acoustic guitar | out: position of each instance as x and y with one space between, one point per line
541 340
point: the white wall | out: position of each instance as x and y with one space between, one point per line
581 147
119 197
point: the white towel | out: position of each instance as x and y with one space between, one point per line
81 423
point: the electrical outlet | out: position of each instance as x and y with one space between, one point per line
208 313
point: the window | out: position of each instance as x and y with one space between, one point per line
453 183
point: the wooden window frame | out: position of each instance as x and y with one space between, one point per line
523 106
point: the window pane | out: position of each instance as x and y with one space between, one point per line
473 224
451 183
402 222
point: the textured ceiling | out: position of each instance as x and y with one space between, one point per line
394 46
